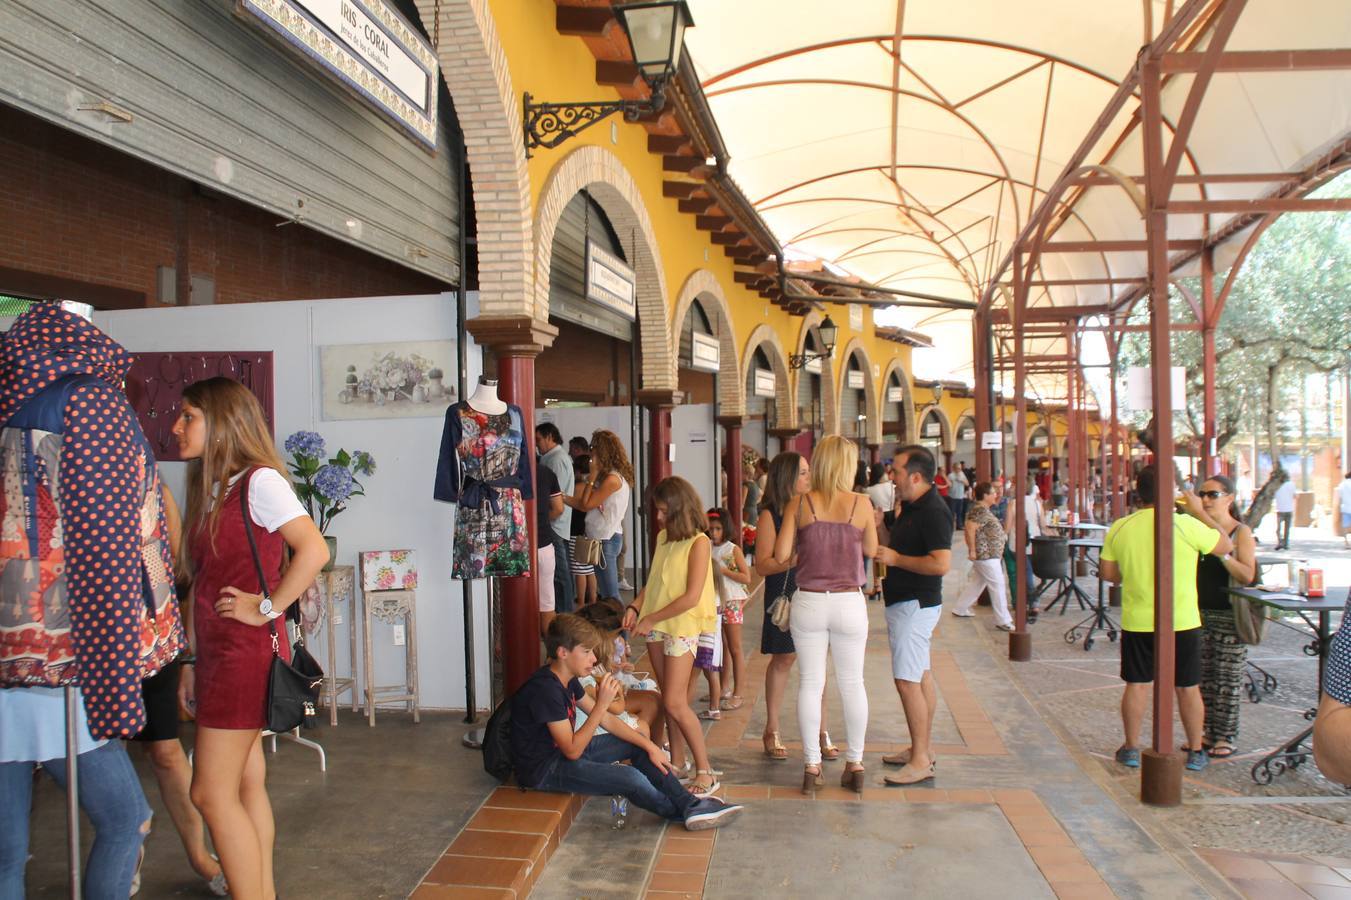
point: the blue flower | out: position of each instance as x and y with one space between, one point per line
334 483
363 462
305 443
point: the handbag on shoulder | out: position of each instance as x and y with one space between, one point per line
586 551
292 688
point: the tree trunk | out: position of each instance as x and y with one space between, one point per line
1261 503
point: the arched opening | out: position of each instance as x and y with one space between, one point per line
771 420
815 400
965 441
934 433
698 439
898 428
853 399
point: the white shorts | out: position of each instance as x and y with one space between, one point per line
544 579
909 630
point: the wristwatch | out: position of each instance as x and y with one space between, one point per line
265 607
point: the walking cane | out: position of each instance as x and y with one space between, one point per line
72 793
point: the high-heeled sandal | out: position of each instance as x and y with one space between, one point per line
852 778
828 749
774 748
811 780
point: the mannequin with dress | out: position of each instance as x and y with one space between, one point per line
485 467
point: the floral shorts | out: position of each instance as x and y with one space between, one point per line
734 613
674 645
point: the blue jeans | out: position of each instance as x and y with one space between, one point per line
607 576
565 589
110 794
596 773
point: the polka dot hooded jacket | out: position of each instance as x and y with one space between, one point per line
86 584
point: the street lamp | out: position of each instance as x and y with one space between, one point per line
656 32
828 331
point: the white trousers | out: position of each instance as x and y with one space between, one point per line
986 573
836 624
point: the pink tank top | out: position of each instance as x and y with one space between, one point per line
829 554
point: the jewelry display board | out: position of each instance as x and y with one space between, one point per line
156 382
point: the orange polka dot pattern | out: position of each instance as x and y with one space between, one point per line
103 472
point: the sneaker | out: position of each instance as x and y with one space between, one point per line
709 812
624 585
1004 627
1197 760
964 615
1128 757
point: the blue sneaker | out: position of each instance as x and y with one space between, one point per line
710 812
1128 757
1197 760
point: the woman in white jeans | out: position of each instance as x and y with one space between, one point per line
834 535
985 539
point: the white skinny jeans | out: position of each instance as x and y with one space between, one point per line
824 622
986 573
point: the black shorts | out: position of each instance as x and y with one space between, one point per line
160 693
1137 657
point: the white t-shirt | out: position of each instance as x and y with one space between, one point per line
272 500
957 485
1344 496
1285 497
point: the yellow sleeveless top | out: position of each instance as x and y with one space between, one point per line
668 580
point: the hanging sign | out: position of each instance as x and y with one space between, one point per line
896 394
704 352
991 440
610 282
854 379
933 429
368 47
1140 388
966 434
855 317
764 383
813 366
1038 440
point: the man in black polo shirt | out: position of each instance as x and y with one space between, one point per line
917 555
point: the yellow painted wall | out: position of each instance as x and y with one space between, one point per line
555 68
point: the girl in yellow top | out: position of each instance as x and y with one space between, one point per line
678 603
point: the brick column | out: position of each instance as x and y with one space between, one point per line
659 405
731 425
516 341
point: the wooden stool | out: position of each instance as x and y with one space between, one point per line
336 585
389 593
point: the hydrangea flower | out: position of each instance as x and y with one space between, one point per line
334 483
363 463
306 443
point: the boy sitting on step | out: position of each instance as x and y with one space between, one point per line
548 755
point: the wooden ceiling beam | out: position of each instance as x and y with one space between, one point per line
697 205
668 144
679 190
585 21
618 73
712 222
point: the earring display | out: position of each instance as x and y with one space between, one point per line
156 381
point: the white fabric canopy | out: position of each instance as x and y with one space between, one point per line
907 142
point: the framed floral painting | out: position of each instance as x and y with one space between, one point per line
387 381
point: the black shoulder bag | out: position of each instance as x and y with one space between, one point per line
292 688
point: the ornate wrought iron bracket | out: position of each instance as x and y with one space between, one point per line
800 360
550 124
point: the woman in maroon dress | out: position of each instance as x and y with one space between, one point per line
224 436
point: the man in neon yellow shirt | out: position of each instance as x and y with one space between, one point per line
1128 559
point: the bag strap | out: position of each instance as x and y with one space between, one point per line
253 548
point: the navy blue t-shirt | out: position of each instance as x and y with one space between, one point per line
541 700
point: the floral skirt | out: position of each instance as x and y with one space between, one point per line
491 543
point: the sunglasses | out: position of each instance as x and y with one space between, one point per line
1211 495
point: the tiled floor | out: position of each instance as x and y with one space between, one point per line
1268 876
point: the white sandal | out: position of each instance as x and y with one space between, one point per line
700 790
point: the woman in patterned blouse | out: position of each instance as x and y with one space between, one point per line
985 540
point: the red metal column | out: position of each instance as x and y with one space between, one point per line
980 326
1209 462
1071 474
731 426
516 341
1020 639
1161 776
1119 446
659 405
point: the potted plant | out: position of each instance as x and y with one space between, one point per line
326 487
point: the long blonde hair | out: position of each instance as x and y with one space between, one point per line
607 452
237 439
834 462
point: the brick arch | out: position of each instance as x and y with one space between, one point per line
907 397
855 345
830 408
1049 427
947 441
785 402
600 173
489 113
703 285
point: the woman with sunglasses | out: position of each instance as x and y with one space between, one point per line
1223 653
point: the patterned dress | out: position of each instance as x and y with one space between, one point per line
485 468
